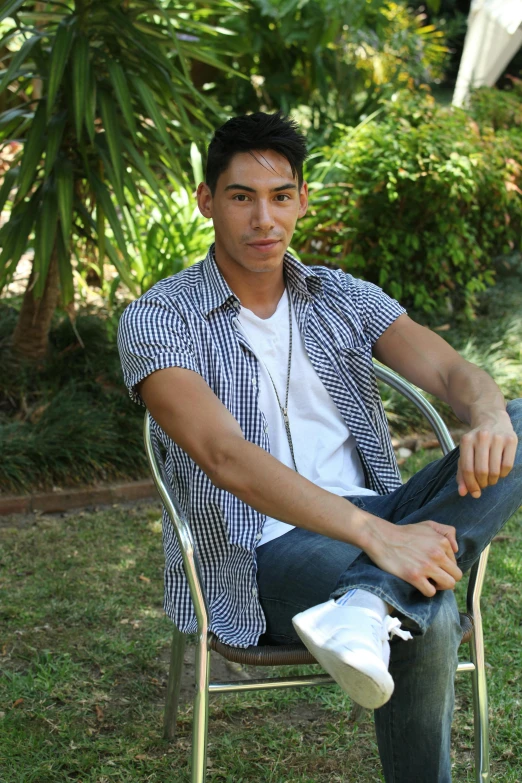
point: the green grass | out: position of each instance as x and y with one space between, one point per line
85 645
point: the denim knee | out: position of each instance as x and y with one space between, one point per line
445 630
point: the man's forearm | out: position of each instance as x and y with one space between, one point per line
423 554
473 394
261 481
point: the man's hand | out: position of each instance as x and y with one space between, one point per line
422 554
487 453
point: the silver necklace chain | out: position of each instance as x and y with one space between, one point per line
284 411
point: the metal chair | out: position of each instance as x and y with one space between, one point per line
471 621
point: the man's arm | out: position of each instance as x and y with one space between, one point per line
190 413
487 451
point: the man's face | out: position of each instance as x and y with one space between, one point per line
254 210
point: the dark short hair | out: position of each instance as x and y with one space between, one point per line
257 131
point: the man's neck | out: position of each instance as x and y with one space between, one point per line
259 292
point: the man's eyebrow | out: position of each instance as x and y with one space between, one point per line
237 186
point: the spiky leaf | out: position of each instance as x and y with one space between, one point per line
18 58
64 269
33 150
113 134
80 81
122 92
10 8
17 232
64 192
103 197
54 139
60 55
7 185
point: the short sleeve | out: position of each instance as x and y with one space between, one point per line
376 309
152 336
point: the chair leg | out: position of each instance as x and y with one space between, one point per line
480 704
174 684
200 720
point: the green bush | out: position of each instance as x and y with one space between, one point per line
498 109
68 421
419 202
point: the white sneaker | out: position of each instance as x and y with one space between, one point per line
351 643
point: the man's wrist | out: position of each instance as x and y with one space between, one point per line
370 531
483 417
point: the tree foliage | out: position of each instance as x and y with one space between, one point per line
104 110
334 60
419 202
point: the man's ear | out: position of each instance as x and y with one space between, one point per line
204 197
303 200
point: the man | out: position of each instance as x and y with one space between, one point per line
258 373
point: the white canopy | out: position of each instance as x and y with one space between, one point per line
493 38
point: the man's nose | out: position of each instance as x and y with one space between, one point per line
262 216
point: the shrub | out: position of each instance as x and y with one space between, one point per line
68 421
419 202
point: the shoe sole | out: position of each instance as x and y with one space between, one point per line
348 672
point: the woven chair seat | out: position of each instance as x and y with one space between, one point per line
292 654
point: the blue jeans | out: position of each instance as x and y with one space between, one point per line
301 569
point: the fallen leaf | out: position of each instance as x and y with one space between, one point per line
144 578
18 702
443 328
124 621
140 757
99 712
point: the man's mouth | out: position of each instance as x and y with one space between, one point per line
264 245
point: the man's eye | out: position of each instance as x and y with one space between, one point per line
240 197
282 197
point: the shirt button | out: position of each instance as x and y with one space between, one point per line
254 591
254 382
259 537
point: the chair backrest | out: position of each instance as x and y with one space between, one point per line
184 534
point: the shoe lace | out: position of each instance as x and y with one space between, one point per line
392 626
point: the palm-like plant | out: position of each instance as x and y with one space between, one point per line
100 95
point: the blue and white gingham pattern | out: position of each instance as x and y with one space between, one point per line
190 320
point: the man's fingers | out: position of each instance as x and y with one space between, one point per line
442 580
495 459
449 533
426 587
508 457
461 484
467 463
481 462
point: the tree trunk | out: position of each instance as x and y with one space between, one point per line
31 335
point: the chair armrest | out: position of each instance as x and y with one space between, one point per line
180 525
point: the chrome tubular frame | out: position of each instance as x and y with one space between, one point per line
203 687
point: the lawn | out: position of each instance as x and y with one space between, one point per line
84 652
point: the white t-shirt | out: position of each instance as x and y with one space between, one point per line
324 448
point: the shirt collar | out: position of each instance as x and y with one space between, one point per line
215 291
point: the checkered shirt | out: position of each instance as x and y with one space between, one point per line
190 320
